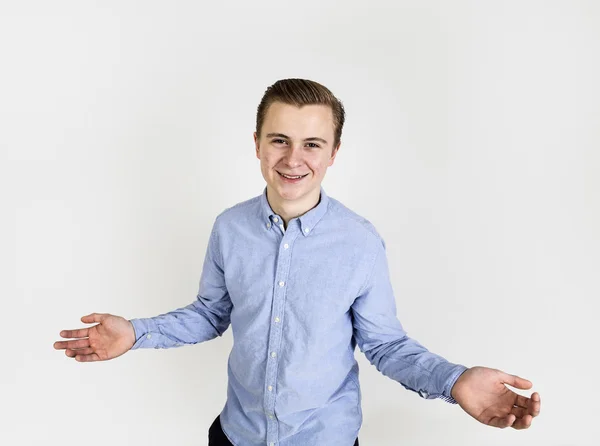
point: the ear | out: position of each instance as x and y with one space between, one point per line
256 145
334 154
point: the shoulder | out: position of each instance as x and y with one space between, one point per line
349 220
242 210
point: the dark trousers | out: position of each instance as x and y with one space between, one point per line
216 436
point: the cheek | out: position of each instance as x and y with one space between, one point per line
317 165
267 160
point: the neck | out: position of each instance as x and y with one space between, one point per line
289 209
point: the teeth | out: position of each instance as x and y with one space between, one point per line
292 178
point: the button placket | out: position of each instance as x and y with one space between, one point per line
274 346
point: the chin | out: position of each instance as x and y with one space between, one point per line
290 193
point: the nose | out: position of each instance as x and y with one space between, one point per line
293 157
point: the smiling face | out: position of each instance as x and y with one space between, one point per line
295 142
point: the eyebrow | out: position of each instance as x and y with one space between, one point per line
281 135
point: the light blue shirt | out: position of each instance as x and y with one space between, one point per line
299 300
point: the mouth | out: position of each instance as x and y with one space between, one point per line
292 177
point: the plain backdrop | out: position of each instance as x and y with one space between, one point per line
472 144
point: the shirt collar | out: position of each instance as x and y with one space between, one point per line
307 221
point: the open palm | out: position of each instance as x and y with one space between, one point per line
111 337
482 393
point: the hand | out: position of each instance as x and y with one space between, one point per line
481 393
112 337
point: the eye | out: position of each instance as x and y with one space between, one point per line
277 141
316 146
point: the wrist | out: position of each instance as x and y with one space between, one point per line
133 337
454 391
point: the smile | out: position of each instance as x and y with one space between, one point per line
291 177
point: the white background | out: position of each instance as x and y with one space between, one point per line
472 143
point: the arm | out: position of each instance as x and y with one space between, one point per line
480 391
380 336
204 319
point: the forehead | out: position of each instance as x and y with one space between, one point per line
299 122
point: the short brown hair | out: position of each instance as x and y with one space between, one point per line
301 92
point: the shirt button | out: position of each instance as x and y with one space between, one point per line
286 246
277 319
148 336
275 219
268 225
271 417
272 444
282 283
306 230
270 388
273 354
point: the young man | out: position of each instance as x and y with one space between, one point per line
302 280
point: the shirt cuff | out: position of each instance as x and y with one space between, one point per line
143 328
451 375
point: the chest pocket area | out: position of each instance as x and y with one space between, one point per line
326 289
249 279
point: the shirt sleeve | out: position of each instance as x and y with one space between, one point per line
204 319
380 336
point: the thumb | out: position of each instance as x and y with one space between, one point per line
93 317
516 381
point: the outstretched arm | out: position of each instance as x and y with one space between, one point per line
480 391
381 337
206 318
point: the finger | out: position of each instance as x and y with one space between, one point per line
79 333
87 358
503 422
79 343
523 423
532 405
535 404
60 345
81 351
519 412
516 381
94 317
522 401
